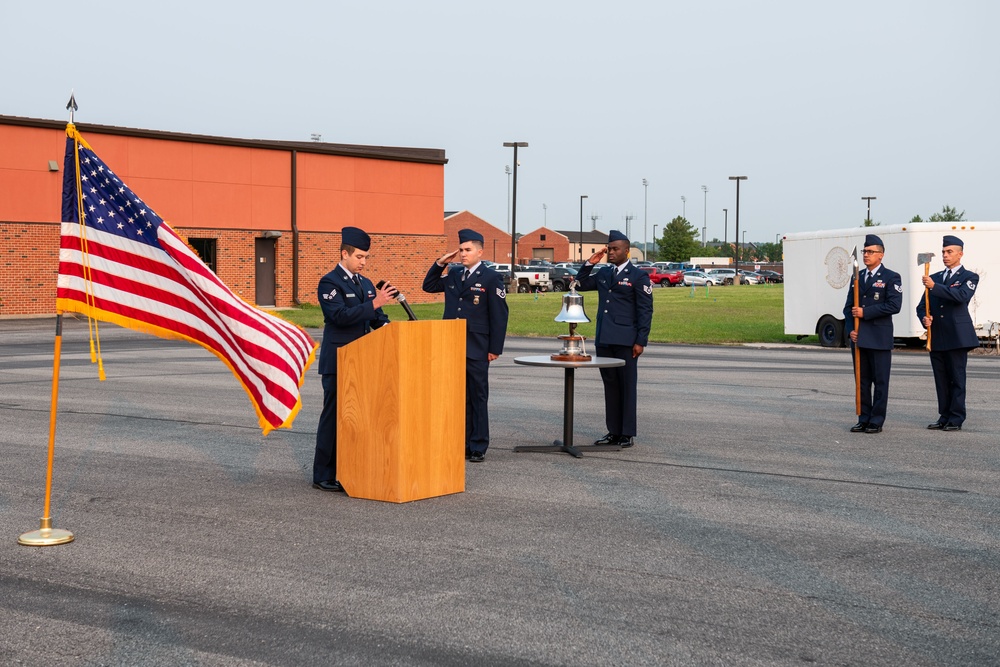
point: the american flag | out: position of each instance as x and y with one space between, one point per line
125 265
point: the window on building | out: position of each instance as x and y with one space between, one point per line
206 250
543 236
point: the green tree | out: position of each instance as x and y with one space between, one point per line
870 223
680 241
769 252
947 214
916 218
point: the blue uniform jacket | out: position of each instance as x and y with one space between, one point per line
348 314
626 303
481 301
880 300
952 328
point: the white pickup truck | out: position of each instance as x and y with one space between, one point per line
529 278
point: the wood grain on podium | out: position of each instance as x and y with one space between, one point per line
401 412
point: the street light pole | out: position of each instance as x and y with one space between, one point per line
645 218
506 168
582 197
869 200
684 206
725 229
513 216
655 244
737 240
704 228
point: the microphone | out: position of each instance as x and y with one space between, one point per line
401 299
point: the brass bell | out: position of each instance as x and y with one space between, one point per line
572 312
572 308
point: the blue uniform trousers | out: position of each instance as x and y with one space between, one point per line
477 396
875 367
949 381
325 459
620 389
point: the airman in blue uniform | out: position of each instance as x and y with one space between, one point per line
952 332
624 317
477 295
352 307
880 296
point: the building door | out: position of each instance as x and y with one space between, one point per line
543 253
265 278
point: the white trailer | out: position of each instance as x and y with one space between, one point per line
818 267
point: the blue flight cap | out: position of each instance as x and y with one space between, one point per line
356 238
871 239
465 235
952 240
616 235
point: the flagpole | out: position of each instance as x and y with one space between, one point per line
46 535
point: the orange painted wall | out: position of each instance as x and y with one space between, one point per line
229 187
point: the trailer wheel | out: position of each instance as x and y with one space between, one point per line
831 331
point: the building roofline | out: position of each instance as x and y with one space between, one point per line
395 153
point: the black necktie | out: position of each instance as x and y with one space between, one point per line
465 275
947 275
357 280
868 278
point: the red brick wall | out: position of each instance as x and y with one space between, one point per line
496 242
527 244
29 263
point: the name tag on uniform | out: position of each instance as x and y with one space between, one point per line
350 296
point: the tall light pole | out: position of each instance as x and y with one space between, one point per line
684 206
737 240
704 228
545 215
506 168
725 228
582 197
645 217
869 200
656 245
513 215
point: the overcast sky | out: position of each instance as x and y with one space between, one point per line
818 104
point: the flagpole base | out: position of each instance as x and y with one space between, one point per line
46 536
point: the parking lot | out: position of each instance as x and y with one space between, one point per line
746 527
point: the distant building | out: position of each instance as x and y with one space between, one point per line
496 242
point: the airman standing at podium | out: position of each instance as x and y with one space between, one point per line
477 295
352 307
624 317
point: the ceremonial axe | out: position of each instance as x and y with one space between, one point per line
925 259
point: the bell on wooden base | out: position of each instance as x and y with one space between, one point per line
572 312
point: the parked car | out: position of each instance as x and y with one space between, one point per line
663 278
561 278
679 266
699 278
569 265
642 263
726 276
501 268
772 276
750 278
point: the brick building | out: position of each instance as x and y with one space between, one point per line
496 242
265 215
562 246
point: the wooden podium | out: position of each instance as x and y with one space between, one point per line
401 412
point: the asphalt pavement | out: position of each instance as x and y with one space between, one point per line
746 527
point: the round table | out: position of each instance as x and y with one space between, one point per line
566 444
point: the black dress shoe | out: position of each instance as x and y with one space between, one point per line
935 426
468 452
609 439
329 485
873 428
951 427
626 441
859 427
477 457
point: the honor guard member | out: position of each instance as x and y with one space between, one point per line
624 316
952 332
351 308
880 296
477 295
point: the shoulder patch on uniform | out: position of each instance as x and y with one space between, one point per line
502 293
971 284
899 288
332 294
648 289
